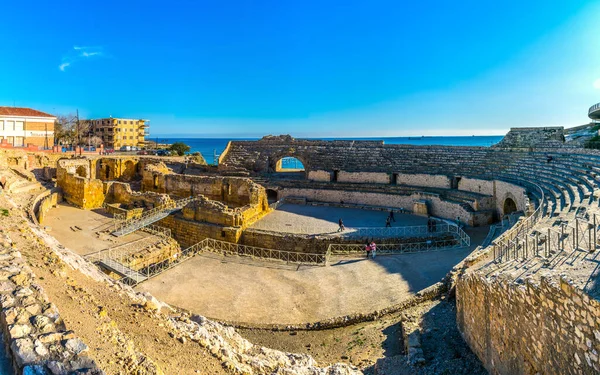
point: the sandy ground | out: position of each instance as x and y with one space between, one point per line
116 329
324 219
229 288
63 220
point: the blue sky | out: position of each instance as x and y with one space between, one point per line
308 68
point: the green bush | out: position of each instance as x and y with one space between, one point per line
179 148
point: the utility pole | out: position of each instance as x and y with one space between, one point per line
77 129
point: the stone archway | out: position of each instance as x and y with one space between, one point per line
509 206
272 195
288 165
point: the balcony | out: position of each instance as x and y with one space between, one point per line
594 112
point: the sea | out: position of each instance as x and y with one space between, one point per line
211 148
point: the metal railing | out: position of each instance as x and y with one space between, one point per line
229 248
360 232
594 108
510 239
124 226
403 248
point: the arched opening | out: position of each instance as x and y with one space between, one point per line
155 182
289 164
106 172
81 171
509 206
272 196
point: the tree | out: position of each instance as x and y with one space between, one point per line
69 131
179 148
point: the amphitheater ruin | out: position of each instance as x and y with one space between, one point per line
158 265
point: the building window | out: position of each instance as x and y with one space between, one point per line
19 126
1 124
10 125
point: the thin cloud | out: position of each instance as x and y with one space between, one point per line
80 53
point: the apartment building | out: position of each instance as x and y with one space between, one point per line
118 132
20 127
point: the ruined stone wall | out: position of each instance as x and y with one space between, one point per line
120 192
188 232
83 192
234 191
553 136
46 204
437 206
546 328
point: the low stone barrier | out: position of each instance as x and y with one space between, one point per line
428 294
34 332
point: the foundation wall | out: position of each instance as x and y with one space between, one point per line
546 328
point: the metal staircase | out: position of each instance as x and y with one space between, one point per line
123 227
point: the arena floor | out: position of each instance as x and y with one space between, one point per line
324 219
243 290
233 289
64 220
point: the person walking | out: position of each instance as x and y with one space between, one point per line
341 228
388 223
392 216
368 249
373 249
433 225
429 225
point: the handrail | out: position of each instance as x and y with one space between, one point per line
502 245
412 247
230 248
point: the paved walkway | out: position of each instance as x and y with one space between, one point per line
324 219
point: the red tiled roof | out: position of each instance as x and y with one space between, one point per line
17 111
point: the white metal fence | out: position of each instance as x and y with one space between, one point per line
402 248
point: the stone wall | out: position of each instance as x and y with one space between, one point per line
82 192
499 190
437 206
189 232
121 193
553 136
529 328
364 177
420 179
234 191
47 203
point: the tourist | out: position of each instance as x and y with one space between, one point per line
373 249
388 223
429 225
392 216
433 225
368 249
341 228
